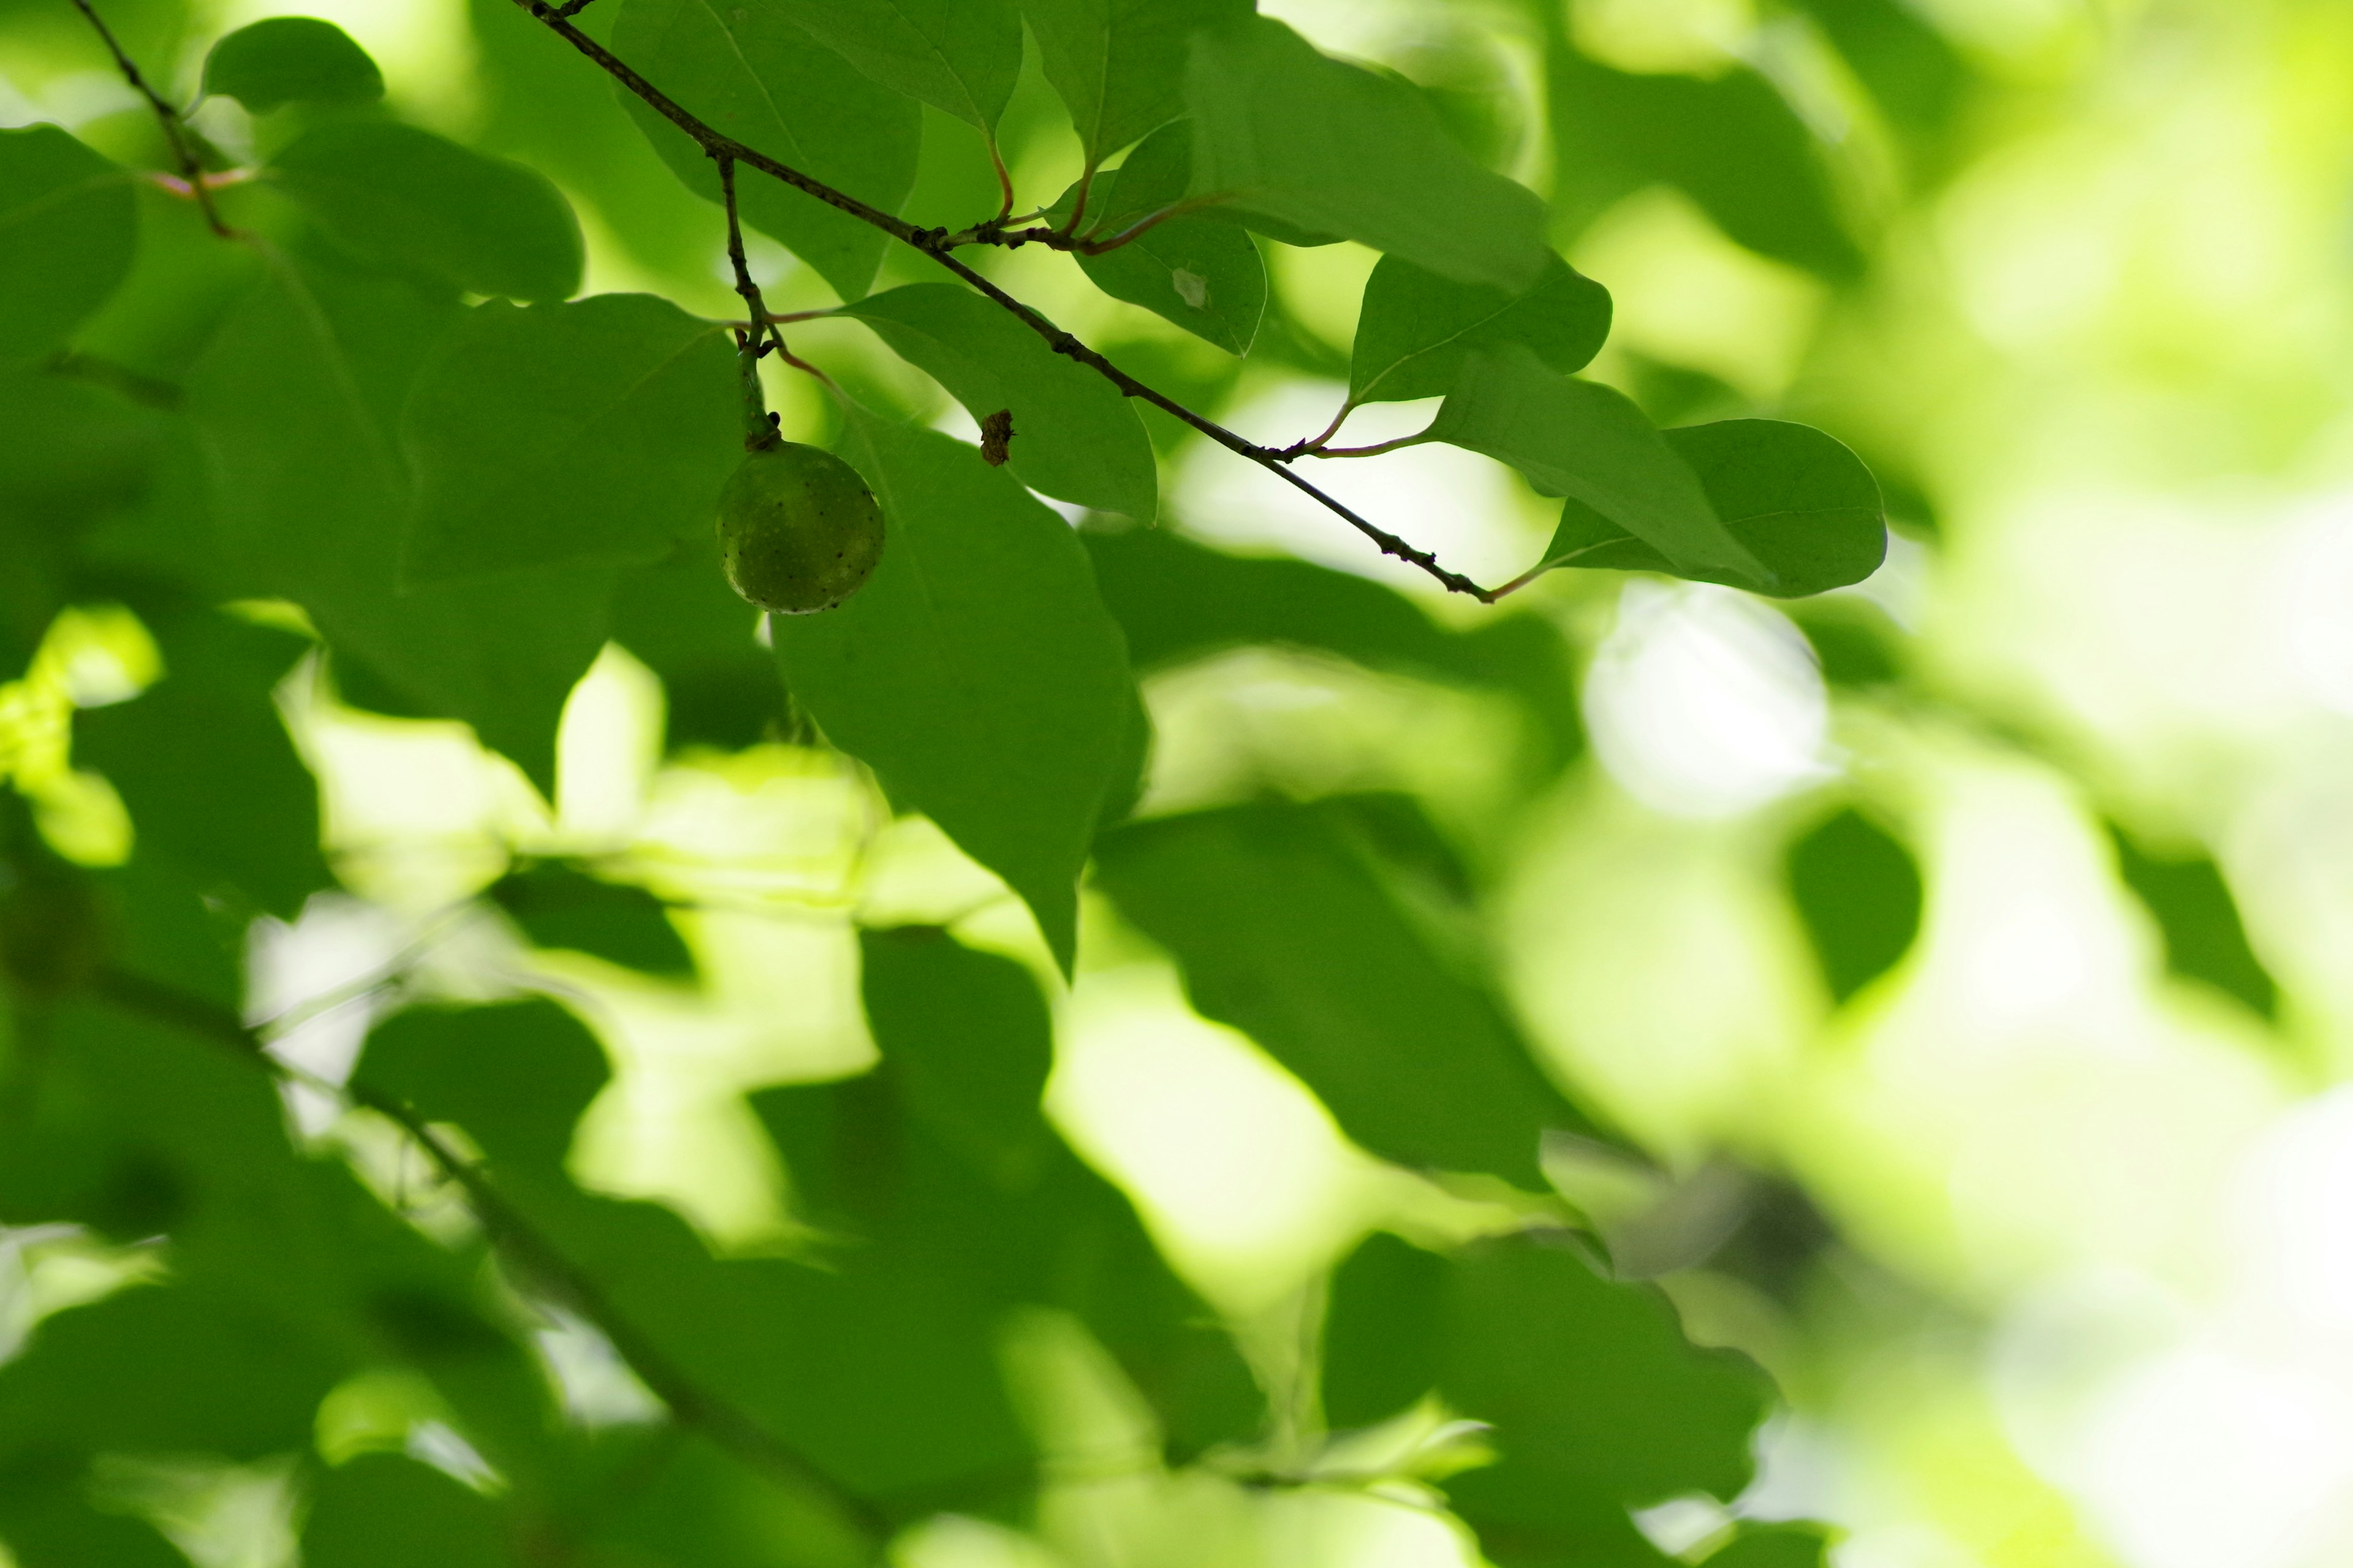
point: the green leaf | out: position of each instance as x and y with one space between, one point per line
958 55
978 673
592 434
1794 498
295 401
1332 148
1857 890
1775 1546
751 72
1207 276
1916 77
384 1511
540 106
2199 920
948 1140
881 1370
558 906
1731 143
1416 329
425 205
1597 1401
1075 437
291 60
206 766
67 229
1800 503
1179 601
1578 440
970 1038
1284 932
1119 65
46 1521
689 626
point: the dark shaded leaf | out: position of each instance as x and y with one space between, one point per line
882 1374
383 1511
685 621
1330 148
978 673
291 60
1416 329
558 906
593 433
295 401
1074 436
418 203
206 766
2205 939
751 72
68 228
1800 503
1858 890
944 1159
1598 1403
1283 931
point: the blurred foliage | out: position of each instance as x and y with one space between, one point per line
1170 1039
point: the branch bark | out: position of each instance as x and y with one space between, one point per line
938 244
520 1243
176 130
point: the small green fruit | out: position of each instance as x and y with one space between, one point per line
798 529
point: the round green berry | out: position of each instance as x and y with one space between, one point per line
798 529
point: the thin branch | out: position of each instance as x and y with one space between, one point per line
1144 226
522 1244
937 243
175 131
1375 450
765 435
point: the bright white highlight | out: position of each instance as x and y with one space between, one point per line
1705 703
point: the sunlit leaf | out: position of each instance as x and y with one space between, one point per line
1801 504
292 60
1120 64
1074 436
959 56
593 433
420 204
753 73
1579 439
978 673
1332 148
1416 329
68 228
1207 276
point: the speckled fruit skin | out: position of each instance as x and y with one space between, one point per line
798 529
